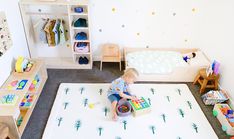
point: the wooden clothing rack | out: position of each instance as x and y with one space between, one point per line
64 56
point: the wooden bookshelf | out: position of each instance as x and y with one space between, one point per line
9 114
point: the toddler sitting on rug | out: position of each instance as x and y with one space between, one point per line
120 89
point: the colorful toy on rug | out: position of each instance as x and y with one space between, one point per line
9 99
23 65
225 115
123 108
92 105
140 106
212 97
27 100
34 84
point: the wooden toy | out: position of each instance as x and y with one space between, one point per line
27 101
91 105
140 106
9 99
22 84
225 116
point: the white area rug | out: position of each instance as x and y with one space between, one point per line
175 114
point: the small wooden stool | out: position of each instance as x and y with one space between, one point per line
110 53
4 131
205 81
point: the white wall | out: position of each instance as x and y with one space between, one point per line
208 25
216 37
19 47
161 23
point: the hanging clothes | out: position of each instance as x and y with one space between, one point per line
62 34
39 30
57 32
49 32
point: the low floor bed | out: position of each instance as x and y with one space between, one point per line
165 64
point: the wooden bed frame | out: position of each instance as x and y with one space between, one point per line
179 74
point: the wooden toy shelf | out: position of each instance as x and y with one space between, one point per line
9 114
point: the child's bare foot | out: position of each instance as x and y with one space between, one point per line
115 117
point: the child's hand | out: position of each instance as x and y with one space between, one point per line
134 98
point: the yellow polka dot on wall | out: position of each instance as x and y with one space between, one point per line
113 9
194 10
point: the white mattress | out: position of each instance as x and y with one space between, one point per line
156 62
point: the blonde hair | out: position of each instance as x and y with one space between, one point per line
130 73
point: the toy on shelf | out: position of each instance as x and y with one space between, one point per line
140 106
9 99
34 84
123 108
27 101
17 85
225 115
20 120
23 65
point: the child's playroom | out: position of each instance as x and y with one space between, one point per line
113 69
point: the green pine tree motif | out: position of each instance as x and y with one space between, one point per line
65 105
168 98
66 90
125 124
195 127
77 125
100 91
153 129
60 120
117 137
164 117
106 110
189 104
85 102
81 90
152 90
149 100
179 91
181 112
100 129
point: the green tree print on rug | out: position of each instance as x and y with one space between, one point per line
152 90
106 110
152 129
85 102
77 125
149 100
179 91
189 104
60 119
181 112
195 127
66 90
82 90
100 130
100 91
125 124
65 105
168 98
164 117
